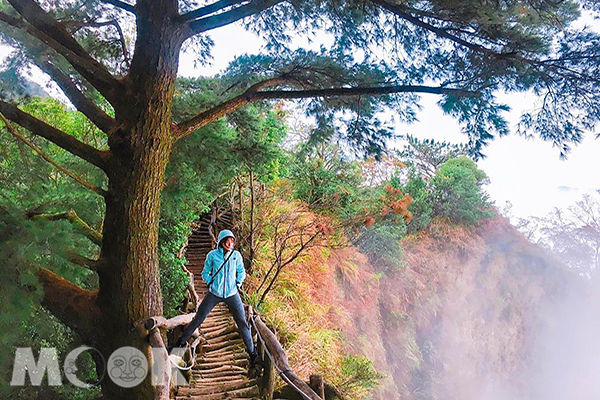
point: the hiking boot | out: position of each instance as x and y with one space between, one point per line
253 359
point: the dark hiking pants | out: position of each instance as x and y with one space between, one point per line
234 303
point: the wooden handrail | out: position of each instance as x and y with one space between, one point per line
275 352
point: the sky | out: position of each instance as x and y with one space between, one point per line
528 173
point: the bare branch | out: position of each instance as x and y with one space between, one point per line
69 143
209 9
43 26
76 258
70 174
74 306
121 4
304 246
253 94
74 219
98 117
215 21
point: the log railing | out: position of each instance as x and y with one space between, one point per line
270 350
275 359
151 328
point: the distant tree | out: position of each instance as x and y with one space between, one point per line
458 192
530 227
427 155
323 178
573 235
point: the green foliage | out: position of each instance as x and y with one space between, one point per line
325 180
248 138
442 182
260 132
31 185
359 374
458 193
422 202
382 242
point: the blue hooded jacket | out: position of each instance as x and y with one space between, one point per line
226 282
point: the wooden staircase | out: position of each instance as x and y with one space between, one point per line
221 368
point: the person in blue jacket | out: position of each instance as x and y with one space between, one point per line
224 273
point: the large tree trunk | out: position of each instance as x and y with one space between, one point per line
130 285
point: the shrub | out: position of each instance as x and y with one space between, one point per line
422 202
359 375
381 243
458 193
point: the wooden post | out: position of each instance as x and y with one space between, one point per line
268 378
317 384
163 389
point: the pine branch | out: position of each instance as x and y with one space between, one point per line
358 91
443 33
209 9
253 94
225 18
75 220
43 26
121 4
208 116
70 174
68 86
98 117
94 24
71 304
63 140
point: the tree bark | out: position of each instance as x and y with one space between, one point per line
140 147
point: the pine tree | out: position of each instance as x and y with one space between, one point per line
467 51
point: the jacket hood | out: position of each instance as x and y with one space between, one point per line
223 234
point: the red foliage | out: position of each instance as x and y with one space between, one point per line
326 230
